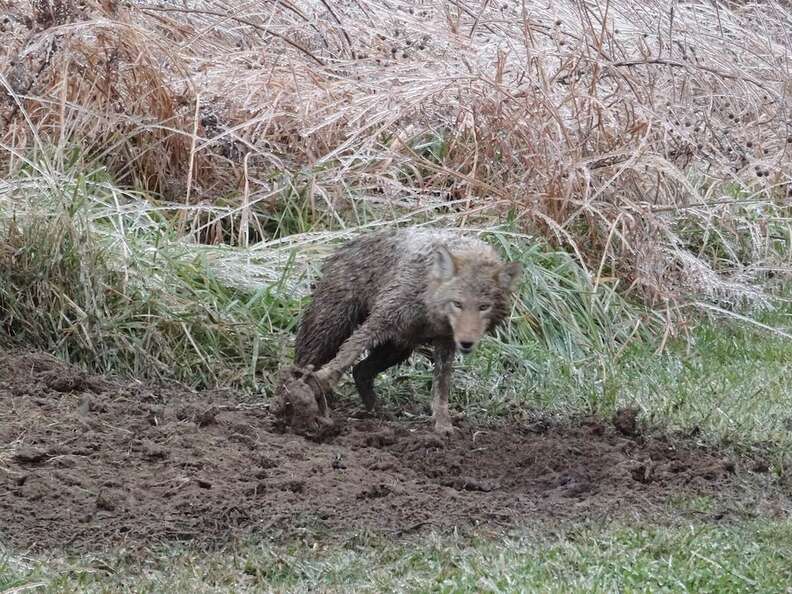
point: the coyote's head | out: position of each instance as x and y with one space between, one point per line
472 292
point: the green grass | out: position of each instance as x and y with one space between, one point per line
158 314
754 557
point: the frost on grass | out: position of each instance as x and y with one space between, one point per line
650 140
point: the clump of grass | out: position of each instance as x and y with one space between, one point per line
151 312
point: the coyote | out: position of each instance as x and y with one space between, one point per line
390 293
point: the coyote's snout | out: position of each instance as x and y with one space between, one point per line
390 292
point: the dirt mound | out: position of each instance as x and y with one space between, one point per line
86 463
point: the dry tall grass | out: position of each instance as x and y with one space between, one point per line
651 139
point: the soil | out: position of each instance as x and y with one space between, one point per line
89 463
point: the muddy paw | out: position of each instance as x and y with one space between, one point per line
322 380
299 405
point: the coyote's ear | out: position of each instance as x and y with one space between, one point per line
443 267
509 275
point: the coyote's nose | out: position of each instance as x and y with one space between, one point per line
465 347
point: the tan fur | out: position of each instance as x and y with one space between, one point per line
391 292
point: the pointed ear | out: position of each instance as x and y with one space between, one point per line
443 266
509 275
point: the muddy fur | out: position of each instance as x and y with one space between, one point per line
390 293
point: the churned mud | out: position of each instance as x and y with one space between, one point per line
87 463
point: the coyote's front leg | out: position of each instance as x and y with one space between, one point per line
441 385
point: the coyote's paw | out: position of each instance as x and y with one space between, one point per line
325 379
300 405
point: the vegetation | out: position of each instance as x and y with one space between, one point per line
172 176
755 557
650 142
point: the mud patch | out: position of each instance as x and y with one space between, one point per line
625 420
98 463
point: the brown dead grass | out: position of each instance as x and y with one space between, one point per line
652 139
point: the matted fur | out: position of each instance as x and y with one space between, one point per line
394 291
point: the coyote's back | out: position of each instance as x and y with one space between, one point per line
392 271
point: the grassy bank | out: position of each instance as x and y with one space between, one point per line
111 287
108 286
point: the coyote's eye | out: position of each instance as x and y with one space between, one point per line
456 304
485 307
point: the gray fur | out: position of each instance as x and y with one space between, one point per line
391 292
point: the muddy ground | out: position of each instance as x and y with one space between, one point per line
88 462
